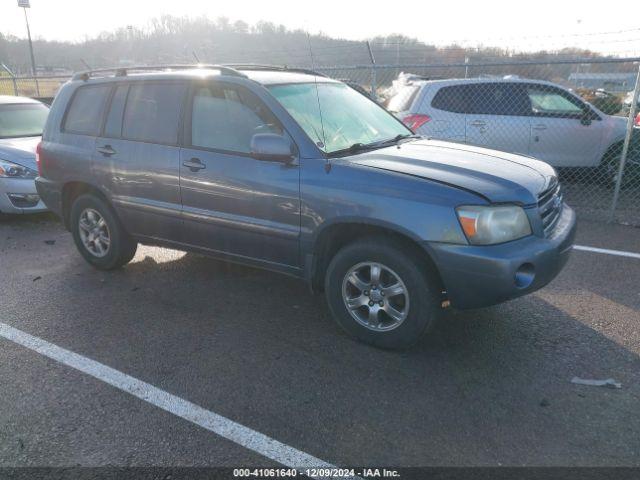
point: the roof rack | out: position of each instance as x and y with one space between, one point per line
124 71
275 68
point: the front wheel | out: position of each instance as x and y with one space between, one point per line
380 295
611 165
98 234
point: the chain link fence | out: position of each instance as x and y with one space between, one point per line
544 110
541 109
43 88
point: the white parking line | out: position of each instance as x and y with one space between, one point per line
619 253
244 436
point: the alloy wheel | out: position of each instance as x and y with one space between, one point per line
375 296
94 232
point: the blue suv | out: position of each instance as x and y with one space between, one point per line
294 172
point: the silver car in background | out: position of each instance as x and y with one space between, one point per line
530 117
21 122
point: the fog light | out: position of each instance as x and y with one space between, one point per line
24 200
525 275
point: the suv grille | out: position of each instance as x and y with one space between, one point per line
550 206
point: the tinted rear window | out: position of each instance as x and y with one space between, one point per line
84 116
113 125
153 112
497 99
402 100
451 99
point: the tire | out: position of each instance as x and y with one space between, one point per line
420 308
120 249
611 163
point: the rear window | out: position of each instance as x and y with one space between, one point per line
402 100
153 112
450 99
84 116
498 99
113 125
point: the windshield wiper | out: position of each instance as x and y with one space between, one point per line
361 147
397 138
355 148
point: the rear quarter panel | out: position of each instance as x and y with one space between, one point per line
68 156
443 125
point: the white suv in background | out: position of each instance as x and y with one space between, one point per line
529 117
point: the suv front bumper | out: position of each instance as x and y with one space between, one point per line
479 276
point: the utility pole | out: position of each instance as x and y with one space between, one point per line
24 4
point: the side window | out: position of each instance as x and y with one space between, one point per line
84 116
226 118
113 125
498 99
551 102
152 113
451 99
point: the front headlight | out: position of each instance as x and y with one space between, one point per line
13 170
487 225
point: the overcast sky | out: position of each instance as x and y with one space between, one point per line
524 25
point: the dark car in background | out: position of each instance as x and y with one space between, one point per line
239 164
21 122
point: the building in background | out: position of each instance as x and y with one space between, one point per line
611 82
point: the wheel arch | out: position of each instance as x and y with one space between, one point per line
335 236
72 190
614 148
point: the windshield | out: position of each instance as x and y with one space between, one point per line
22 120
345 117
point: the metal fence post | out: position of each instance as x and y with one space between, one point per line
13 78
625 148
374 87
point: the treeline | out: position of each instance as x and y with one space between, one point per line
169 39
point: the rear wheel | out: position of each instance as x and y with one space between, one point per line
99 235
381 295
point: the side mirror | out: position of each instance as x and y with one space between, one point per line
587 117
271 147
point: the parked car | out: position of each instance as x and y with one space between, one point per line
528 117
21 122
628 100
604 101
238 164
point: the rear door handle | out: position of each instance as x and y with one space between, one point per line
194 164
478 123
106 150
540 126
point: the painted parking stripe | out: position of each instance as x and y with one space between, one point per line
619 253
222 426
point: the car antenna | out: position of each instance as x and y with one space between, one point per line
322 143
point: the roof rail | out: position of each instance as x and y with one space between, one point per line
275 68
124 71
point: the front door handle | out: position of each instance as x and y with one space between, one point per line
540 126
106 150
478 123
194 164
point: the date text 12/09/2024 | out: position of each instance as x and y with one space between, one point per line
315 473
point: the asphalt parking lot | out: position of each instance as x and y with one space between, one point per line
488 387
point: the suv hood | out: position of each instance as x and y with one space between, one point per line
20 150
497 176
